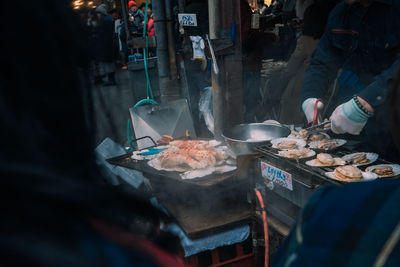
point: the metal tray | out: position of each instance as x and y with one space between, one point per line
142 166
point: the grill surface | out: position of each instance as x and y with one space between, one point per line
283 203
201 206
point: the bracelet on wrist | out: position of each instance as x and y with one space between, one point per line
367 112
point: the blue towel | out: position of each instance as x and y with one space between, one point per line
195 246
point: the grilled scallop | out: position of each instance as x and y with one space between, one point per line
287 145
325 159
348 173
384 171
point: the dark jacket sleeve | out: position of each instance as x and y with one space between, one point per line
324 65
375 93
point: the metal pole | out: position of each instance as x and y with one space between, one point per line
125 16
218 97
213 15
162 45
171 43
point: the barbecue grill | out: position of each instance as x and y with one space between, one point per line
201 206
295 182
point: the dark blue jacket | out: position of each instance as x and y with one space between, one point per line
365 43
346 226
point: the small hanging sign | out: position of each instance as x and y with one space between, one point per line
187 20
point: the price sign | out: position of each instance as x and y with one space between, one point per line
276 176
187 20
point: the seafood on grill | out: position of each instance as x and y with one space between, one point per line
189 155
297 154
318 137
385 170
348 173
360 158
327 144
325 160
287 143
302 134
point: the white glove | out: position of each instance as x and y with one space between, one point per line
308 107
198 47
348 118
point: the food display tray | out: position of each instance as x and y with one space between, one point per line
314 172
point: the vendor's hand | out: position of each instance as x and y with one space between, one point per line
308 107
348 118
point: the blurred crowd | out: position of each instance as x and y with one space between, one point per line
107 35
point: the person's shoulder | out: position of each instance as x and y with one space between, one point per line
339 10
337 14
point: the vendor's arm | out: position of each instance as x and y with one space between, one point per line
375 93
323 68
325 63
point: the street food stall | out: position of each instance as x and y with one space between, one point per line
208 186
258 174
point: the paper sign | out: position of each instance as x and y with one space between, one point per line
187 20
276 176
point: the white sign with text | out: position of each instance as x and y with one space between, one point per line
277 176
187 20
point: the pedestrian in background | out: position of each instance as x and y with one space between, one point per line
136 18
142 7
105 45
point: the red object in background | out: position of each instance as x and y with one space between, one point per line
131 3
150 27
138 244
315 119
265 224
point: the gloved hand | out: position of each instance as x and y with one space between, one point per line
308 107
348 118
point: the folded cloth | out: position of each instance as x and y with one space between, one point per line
108 149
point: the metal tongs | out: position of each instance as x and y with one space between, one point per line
319 125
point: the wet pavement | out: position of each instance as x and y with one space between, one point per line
112 105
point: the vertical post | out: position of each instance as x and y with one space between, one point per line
125 16
218 100
162 45
171 43
181 5
213 17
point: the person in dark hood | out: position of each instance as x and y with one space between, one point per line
105 44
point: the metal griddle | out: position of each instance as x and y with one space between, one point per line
142 166
201 206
